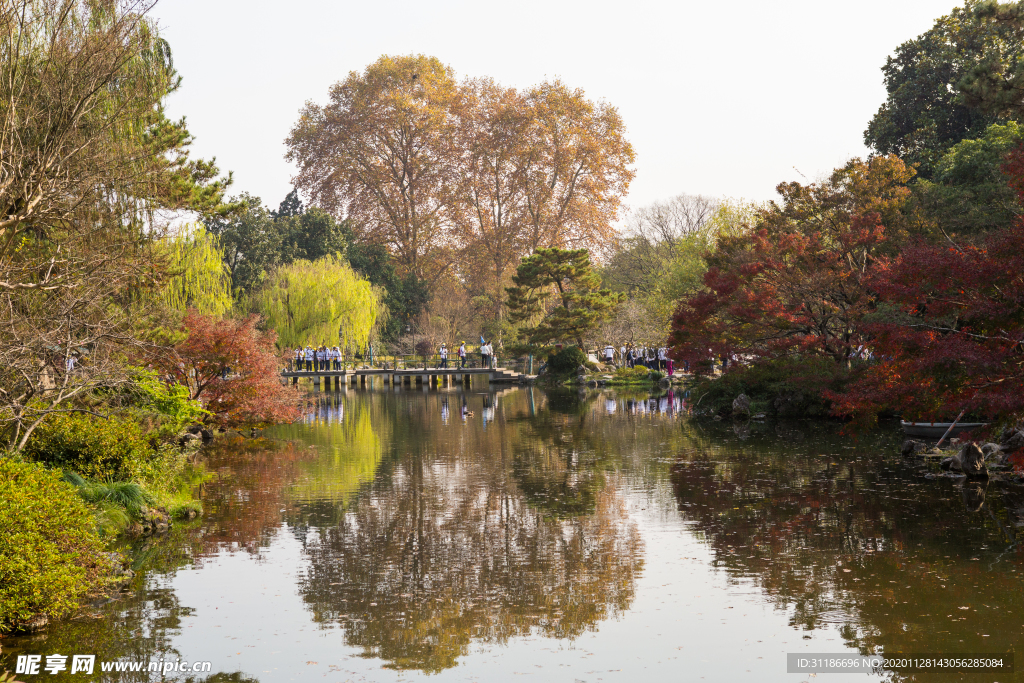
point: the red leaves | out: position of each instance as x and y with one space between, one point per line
955 338
252 391
797 284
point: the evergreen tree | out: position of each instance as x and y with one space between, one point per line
580 306
926 112
290 206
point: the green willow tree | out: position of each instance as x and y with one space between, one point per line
321 302
200 279
580 306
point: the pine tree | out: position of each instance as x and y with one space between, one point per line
580 306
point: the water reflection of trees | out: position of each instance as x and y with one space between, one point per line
850 537
445 548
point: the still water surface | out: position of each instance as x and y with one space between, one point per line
517 534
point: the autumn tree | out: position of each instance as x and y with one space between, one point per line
580 168
474 175
382 154
579 306
493 223
252 391
953 336
796 285
544 168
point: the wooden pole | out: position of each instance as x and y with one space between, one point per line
939 444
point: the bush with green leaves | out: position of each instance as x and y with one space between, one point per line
115 503
50 555
788 387
167 405
566 361
113 448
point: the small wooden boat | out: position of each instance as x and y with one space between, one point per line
935 430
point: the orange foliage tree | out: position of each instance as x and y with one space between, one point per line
231 367
545 168
471 175
955 337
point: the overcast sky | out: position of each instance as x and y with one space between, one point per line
719 98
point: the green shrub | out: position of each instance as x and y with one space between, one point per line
791 387
566 361
97 448
167 405
50 556
637 373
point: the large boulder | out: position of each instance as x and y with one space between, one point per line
951 464
741 406
990 448
912 447
1013 440
972 461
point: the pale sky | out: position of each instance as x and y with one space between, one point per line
719 98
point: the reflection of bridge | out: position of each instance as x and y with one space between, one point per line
411 376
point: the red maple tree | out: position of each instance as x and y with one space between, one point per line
953 337
795 287
232 368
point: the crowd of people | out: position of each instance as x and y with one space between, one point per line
630 355
318 358
486 351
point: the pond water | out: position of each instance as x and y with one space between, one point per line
478 534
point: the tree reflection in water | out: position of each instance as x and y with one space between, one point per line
425 530
446 547
859 539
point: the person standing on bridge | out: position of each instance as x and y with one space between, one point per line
462 355
298 358
307 355
485 354
336 356
443 353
